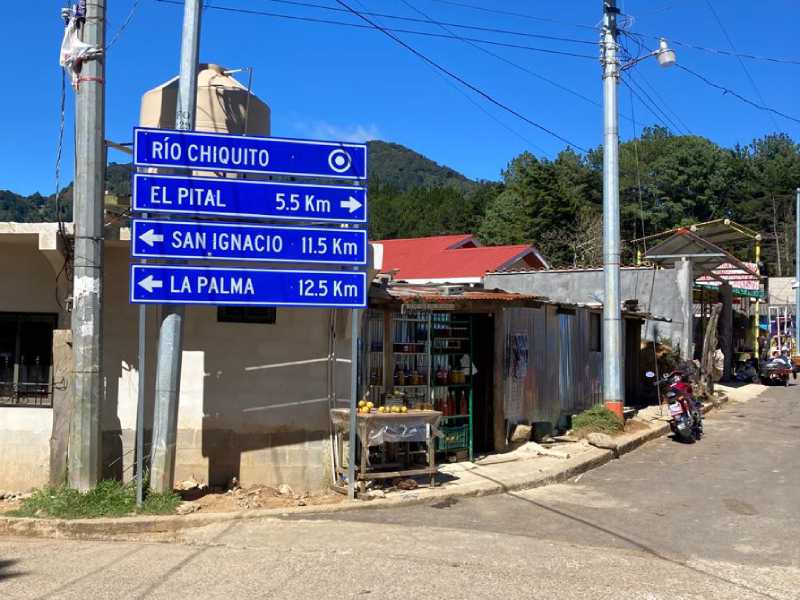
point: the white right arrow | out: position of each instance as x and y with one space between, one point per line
351 203
150 284
150 237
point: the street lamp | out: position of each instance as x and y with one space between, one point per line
613 393
665 54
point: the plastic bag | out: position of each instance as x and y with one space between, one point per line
74 51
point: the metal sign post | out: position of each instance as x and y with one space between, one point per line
351 456
194 198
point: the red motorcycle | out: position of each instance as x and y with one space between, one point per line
687 419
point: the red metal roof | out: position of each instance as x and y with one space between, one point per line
451 257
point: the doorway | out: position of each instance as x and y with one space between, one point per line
483 383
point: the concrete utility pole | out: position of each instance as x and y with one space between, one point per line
83 455
170 342
797 274
613 394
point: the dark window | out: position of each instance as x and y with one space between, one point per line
595 333
246 314
26 359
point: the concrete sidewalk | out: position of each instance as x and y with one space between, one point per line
496 474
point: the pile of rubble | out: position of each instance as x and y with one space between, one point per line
14 496
199 496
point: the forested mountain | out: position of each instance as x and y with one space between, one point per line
403 169
665 181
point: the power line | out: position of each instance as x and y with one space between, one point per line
482 108
435 22
649 108
395 30
509 13
725 90
656 105
677 123
663 107
718 51
510 62
458 78
124 25
739 58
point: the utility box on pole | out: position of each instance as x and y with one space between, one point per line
87 327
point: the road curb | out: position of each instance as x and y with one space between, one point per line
122 528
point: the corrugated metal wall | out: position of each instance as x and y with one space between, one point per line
563 376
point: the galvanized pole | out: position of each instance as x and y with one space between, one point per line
140 406
168 369
355 317
612 314
83 455
797 274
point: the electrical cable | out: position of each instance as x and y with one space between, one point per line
642 52
124 25
484 110
739 59
725 90
718 51
435 22
516 14
387 29
510 62
666 106
66 267
461 80
657 105
652 110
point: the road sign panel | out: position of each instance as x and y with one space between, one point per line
172 284
241 241
218 196
246 154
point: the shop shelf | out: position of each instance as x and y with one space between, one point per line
455 438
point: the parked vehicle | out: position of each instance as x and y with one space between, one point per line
686 420
775 372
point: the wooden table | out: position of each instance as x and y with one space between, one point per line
376 428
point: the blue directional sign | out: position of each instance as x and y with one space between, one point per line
246 154
241 241
218 196
170 284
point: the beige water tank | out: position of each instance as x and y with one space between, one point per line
222 105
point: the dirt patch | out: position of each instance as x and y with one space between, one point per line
256 497
8 505
631 426
634 426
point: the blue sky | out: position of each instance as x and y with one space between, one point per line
336 82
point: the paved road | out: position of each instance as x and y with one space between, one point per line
715 520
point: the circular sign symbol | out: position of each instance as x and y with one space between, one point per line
339 161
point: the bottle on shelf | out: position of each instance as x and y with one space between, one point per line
463 405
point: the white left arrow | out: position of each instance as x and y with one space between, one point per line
150 237
149 283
